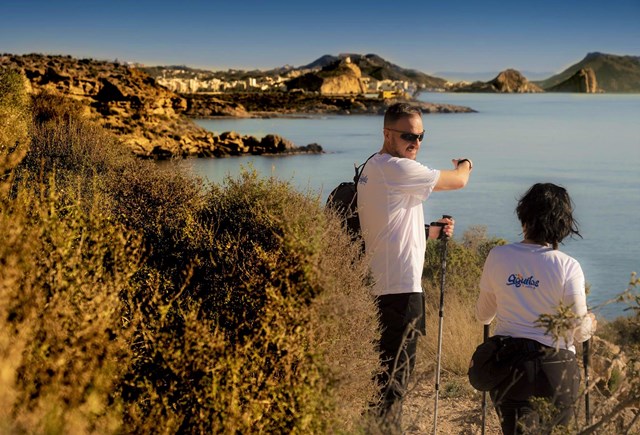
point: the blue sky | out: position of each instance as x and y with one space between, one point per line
430 36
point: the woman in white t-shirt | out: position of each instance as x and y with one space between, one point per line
522 281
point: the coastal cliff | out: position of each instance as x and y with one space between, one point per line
583 81
147 117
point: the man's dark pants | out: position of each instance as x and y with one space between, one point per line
402 320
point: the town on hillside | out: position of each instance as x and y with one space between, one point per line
189 81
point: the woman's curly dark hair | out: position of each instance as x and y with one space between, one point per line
546 213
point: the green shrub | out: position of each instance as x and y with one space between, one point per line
289 330
465 260
63 345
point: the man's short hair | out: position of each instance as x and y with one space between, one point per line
398 111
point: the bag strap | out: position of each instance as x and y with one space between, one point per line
359 170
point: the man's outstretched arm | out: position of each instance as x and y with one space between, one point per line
456 178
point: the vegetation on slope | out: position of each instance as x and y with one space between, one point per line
133 297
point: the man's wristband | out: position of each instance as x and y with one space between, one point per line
465 160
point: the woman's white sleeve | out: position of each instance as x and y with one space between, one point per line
486 306
575 296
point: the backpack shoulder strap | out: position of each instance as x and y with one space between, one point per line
359 169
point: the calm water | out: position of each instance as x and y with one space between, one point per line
590 144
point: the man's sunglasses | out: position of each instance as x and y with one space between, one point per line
409 137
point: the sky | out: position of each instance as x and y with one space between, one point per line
429 36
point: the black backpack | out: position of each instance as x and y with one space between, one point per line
344 200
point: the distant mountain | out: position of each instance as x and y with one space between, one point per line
338 78
321 62
613 73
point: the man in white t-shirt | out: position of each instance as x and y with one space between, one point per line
391 190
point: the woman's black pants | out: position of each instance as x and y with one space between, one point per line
553 375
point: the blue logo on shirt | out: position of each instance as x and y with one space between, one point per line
363 179
519 281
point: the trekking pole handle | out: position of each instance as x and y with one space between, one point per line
443 235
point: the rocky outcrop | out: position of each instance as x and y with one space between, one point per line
583 81
210 106
615 73
508 81
339 78
295 104
149 118
232 143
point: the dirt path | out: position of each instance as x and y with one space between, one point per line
459 408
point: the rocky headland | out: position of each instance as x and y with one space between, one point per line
614 73
512 81
158 123
150 119
508 81
296 104
583 81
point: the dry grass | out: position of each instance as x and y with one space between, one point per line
461 334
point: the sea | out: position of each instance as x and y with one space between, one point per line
588 143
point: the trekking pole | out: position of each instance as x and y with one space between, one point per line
485 337
444 239
585 361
